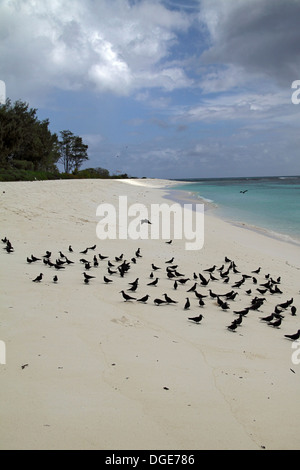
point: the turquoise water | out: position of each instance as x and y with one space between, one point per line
272 204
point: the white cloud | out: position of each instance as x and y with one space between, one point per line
113 45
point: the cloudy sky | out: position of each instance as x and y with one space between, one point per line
162 88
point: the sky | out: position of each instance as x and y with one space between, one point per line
162 88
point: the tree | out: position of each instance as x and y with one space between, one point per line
24 138
73 152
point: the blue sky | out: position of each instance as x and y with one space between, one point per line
162 88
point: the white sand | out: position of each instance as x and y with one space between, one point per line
97 366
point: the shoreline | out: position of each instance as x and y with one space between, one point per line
78 356
189 197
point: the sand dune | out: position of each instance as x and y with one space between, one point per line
102 373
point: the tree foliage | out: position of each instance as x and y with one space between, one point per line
23 137
73 152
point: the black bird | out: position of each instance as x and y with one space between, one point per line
133 288
224 305
257 271
201 302
9 248
107 280
183 281
248 291
212 294
242 312
169 300
233 326
138 253
145 221
170 275
110 271
87 276
169 242
47 255
293 310
286 304
70 249
59 266
268 318
102 257
29 260
35 259
126 297
153 283
239 320
159 301
204 281
175 284
193 288
262 291
170 261
187 304
196 319
38 278
294 337
84 252
143 299
55 279
91 247
276 323
210 270
154 267
68 261
232 296
199 296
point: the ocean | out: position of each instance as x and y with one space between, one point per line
270 204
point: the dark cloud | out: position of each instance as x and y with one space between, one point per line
263 36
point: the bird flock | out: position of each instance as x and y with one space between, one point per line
256 288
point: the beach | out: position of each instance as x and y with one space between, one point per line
86 370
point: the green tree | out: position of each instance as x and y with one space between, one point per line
73 152
24 138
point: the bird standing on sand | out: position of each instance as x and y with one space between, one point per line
87 276
293 337
55 279
233 326
293 310
143 299
196 319
153 283
126 297
159 301
169 300
187 304
38 278
276 323
106 280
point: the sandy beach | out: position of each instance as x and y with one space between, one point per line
86 370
